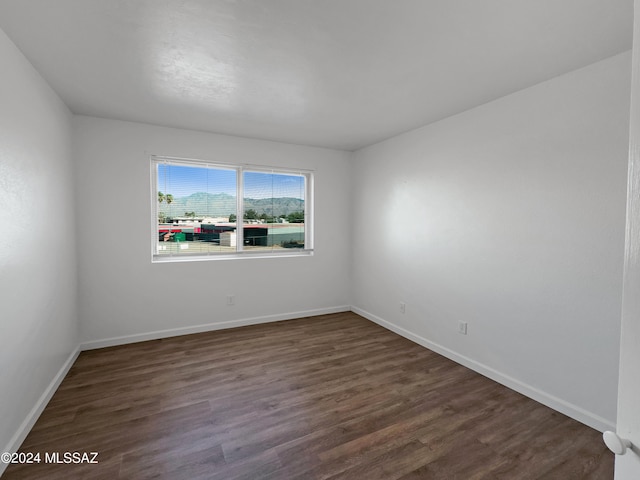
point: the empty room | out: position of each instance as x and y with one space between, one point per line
320 239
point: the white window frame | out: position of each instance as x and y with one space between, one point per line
240 252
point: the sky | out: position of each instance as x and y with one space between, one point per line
182 181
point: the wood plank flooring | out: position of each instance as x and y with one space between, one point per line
330 397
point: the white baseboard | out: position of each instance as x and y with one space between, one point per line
36 411
562 406
173 332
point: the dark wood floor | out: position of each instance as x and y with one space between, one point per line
331 397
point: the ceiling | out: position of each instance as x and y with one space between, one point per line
335 73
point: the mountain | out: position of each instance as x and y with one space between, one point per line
274 206
222 205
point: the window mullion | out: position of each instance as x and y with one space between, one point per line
240 211
308 209
154 208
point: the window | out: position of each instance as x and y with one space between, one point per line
204 210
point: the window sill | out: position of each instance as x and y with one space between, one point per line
231 256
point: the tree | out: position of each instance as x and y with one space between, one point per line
168 198
190 214
250 214
232 217
160 197
162 218
295 217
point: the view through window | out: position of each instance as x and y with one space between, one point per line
196 209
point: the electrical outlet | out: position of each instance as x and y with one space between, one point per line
403 307
462 328
231 299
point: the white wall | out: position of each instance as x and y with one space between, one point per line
38 323
122 294
628 426
509 217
